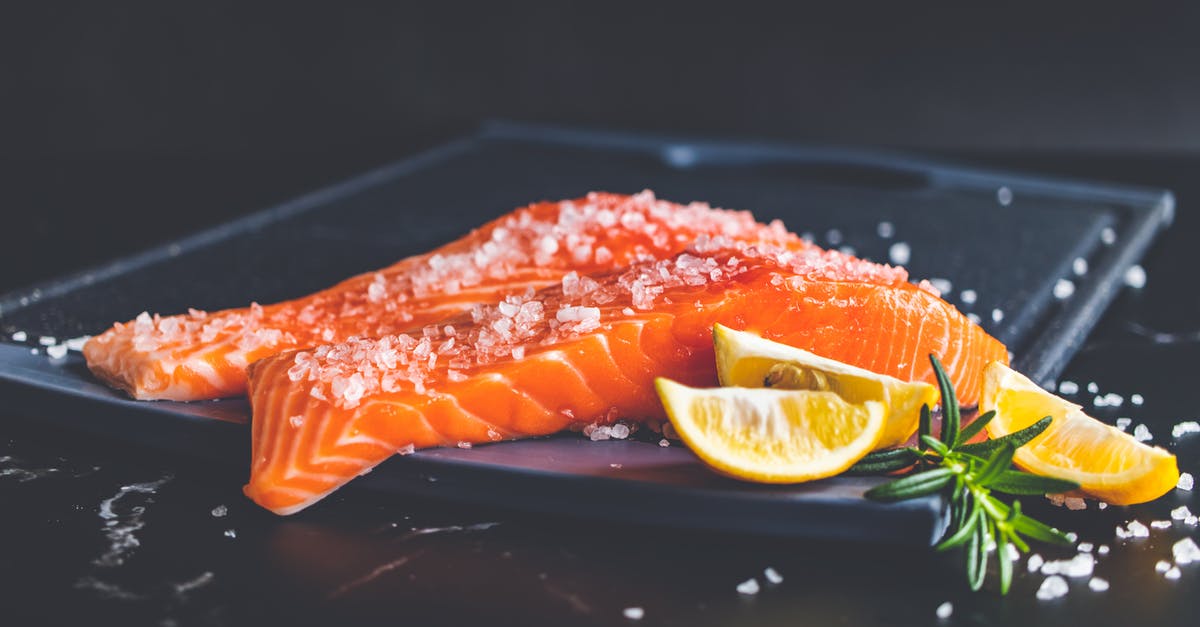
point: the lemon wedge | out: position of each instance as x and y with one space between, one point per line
773 436
1106 462
747 360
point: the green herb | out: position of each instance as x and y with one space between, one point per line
968 474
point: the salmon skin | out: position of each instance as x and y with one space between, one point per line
201 355
585 352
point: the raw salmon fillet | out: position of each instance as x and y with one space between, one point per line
202 355
585 352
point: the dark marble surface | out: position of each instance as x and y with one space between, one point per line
94 531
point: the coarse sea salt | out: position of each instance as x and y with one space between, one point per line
945 610
1180 513
57 351
1068 387
1034 563
664 443
749 586
1141 433
1160 524
1186 551
1085 547
633 613
1172 573
1184 428
969 297
1098 584
1081 565
1103 549
20 336
997 315
974 317
47 340
1004 196
1079 266
1063 289
1108 236
1162 566
772 575
1138 530
1123 423
1052 588
885 229
1092 387
1185 481
1137 399
900 253
1135 277
942 285
220 511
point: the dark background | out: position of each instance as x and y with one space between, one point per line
121 126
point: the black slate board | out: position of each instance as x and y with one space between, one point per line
1006 236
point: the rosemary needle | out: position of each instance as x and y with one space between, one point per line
968 474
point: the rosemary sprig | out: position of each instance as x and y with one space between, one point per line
968 474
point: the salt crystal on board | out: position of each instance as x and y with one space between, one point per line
749 586
219 511
1185 481
900 253
1063 289
1079 266
997 315
1172 573
1092 387
1141 433
1035 563
20 336
1004 196
1160 524
969 297
57 351
1137 399
1098 584
772 575
1108 236
945 610
1138 530
1135 277
633 613
1068 387
885 229
1180 513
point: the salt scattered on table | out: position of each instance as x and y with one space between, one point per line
1181 512
969 297
1184 428
20 336
47 340
1085 547
1081 565
1068 387
942 285
1098 584
833 236
885 229
749 586
1160 524
1108 236
1141 433
230 533
900 253
1172 573
1138 530
633 613
1035 563
997 315
945 610
772 575
1185 481
1102 549
1162 566
1092 387
1052 588
219 511
974 317
57 351
1123 423
1186 551
664 443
